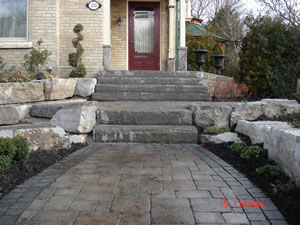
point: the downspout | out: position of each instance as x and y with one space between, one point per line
177 34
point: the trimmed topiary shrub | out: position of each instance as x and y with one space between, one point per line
76 57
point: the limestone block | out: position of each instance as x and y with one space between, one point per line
85 86
49 109
79 139
279 101
225 138
263 110
58 88
208 116
46 138
12 114
259 131
7 133
16 93
284 148
77 118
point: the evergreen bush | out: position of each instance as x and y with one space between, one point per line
75 58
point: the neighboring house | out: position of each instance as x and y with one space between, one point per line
121 35
199 32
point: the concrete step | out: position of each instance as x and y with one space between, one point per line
148 73
145 116
149 80
114 88
146 96
145 134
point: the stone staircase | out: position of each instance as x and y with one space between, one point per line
142 106
149 86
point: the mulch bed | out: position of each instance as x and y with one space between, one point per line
19 172
286 199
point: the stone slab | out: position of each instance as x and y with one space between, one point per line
58 88
84 86
259 131
49 109
12 114
145 134
17 93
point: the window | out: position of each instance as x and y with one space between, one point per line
13 19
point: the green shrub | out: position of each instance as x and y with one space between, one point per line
269 58
21 148
80 71
216 130
268 171
5 162
7 148
237 147
36 59
253 152
75 58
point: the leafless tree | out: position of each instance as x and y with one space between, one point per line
200 7
207 9
288 10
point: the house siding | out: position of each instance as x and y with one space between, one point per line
53 22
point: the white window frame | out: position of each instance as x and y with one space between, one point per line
18 42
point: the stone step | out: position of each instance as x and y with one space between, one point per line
114 88
50 108
145 116
145 134
145 96
148 73
149 80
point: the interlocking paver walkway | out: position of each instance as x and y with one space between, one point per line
137 184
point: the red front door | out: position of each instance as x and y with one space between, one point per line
144 34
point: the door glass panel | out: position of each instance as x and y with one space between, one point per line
144 31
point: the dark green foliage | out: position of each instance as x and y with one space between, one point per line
7 148
253 153
269 58
249 152
76 58
268 171
208 43
15 149
237 147
5 162
80 71
21 148
36 59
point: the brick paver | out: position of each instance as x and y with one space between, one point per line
137 184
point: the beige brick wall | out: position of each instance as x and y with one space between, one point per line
53 21
73 12
119 35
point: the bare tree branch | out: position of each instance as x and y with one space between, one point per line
287 10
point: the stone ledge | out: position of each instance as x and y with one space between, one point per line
15 44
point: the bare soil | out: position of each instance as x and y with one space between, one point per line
281 190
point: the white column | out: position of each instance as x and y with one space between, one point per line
106 23
106 35
182 23
172 28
